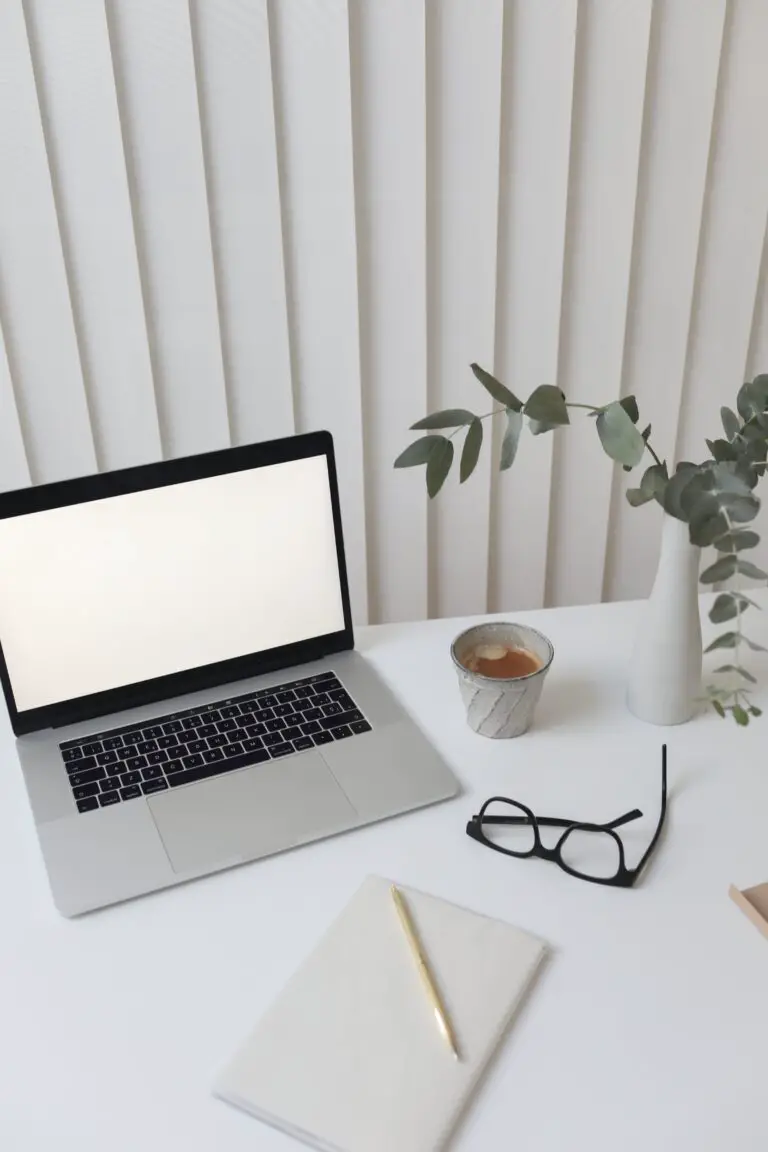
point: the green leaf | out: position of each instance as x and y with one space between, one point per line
473 442
726 640
646 433
731 423
740 671
737 541
739 715
722 569
674 490
727 606
637 497
629 404
497 389
722 450
755 710
511 439
419 452
747 402
753 644
539 426
751 570
547 403
655 480
450 418
707 522
619 436
718 708
439 465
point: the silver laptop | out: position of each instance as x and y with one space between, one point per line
179 668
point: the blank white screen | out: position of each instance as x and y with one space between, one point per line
116 591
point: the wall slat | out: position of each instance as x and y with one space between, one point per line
464 49
238 118
14 470
389 121
35 309
311 66
757 364
612 55
539 40
154 63
77 88
681 100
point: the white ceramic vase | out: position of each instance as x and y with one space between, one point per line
665 673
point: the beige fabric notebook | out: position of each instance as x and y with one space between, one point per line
349 1057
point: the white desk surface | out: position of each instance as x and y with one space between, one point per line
647 1030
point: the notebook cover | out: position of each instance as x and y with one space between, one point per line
349 1058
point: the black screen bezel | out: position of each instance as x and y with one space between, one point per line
104 485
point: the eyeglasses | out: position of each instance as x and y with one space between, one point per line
509 827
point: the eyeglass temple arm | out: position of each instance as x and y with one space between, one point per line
662 812
552 822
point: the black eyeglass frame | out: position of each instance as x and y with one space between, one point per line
624 878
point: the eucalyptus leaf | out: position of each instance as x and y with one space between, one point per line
739 670
727 606
753 644
450 418
718 708
646 432
547 403
511 439
755 710
629 404
497 389
419 452
439 465
674 490
637 497
731 423
619 436
746 568
722 569
722 450
739 715
473 442
537 427
654 481
737 541
741 509
707 522
727 640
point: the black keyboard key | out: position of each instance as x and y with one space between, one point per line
147 746
343 718
302 743
172 726
233 750
237 734
218 741
304 692
72 754
131 737
108 798
202 773
342 732
338 694
323 737
213 755
110 784
332 710
193 761
87 805
283 709
359 726
272 738
197 746
150 786
291 733
173 766
191 722
84 790
92 749
154 772
136 762
158 757
126 753
285 697
167 742
186 736
226 726
206 730
130 793
153 732
281 750
276 725
268 701
81 765
256 729
210 717
129 778
263 714
88 777
251 744
321 698
231 710
107 758
312 713
249 705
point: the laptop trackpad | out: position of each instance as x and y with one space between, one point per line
250 813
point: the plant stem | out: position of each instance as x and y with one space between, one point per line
650 449
589 407
496 412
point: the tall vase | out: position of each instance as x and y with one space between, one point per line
665 673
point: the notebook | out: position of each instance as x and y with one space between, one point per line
349 1057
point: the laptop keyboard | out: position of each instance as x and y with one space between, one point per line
184 747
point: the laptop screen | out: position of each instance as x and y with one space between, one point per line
116 591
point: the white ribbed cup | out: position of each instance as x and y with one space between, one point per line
501 708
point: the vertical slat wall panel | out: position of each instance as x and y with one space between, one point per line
680 103
389 120
733 233
464 50
757 364
313 98
610 88
539 46
14 470
154 60
238 118
35 308
77 89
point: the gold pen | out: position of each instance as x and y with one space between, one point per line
417 951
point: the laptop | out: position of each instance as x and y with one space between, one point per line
178 662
